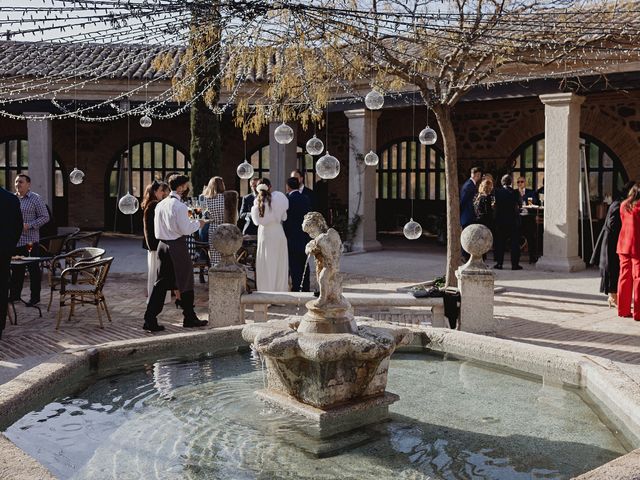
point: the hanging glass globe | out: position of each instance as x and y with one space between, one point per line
145 121
374 100
412 230
371 159
428 136
314 146
245 170
128 204
283 134
76 176
328 167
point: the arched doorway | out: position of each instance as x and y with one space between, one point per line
14 159
407 170
151 159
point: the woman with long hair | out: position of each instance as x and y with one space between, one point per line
604 253
483 203
214 198
629 252
153 193
272 258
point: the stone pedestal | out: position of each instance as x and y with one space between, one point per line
225 289
561 183
362 179
476 283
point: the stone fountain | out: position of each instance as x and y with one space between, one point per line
328 365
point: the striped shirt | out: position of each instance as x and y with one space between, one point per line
34 214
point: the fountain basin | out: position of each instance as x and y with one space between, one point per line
600 380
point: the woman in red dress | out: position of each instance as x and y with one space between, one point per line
629 253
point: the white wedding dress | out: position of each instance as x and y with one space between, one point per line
272 258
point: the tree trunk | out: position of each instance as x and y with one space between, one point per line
443 115
205 148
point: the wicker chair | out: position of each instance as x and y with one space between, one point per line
61 262
199 252
85 239
51 247
83 284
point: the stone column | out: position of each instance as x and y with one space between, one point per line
282 158
41 157
561 183
362 179
476 283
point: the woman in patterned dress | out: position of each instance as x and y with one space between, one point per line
214 198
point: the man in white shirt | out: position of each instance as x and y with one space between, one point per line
172 225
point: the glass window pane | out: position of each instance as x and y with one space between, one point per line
528 157
157 152
539 180
2 180
517 163
168 157
394 185
265 158
593 185
394 158
403 184
440 162
13 153
113 184
432 186
432 159
180 164
11 178
3 154
24 153
136 189
607 184
135 157
146 179
540 153
443 189
146 161
593 153
385 180
607 162
385 160
58 184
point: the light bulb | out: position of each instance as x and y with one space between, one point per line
314 146
428 136
283 134
371 159
128 204
374 100
412 230
76 176
245 170
145 121
328 167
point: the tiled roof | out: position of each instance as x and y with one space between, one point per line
45 59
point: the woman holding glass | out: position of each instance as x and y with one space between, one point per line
214 204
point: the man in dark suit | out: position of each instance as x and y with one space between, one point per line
10 230
303 189
297 239
249 228
467 194
507 223
529 197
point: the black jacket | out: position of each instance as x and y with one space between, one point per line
299 206
11 224
507 208
604 253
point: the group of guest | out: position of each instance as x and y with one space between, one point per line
617 253
499 209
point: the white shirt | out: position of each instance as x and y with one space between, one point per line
301 189
171 220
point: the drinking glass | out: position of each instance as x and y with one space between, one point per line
530 201
29 248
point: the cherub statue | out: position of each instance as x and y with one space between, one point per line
326 247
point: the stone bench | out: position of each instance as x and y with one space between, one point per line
261 300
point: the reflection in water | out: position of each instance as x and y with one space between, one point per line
197 420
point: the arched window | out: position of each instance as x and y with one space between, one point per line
14 159
408 169
149 160
260 160
606 173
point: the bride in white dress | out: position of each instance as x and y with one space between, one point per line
272 259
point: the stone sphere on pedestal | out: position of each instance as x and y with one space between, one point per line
477 240
227 239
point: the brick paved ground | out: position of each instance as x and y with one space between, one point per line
555 310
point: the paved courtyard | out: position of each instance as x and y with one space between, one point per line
562 311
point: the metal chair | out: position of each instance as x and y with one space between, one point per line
61 262
86 239
83 284
51 247
199 252
67 230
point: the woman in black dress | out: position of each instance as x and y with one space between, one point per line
604 253
483 204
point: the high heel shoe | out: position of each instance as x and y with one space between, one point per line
612 301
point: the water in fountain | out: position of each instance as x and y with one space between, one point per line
201 420
304 272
